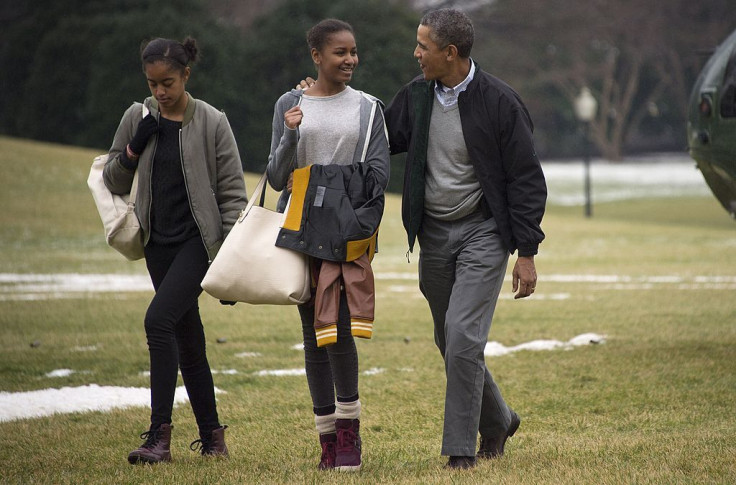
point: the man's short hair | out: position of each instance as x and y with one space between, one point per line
450 26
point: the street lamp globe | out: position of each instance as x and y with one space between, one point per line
585 106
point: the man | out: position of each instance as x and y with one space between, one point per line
474 192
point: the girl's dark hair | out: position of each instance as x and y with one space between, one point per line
317 36
178 55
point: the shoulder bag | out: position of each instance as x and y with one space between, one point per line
122 228
250 268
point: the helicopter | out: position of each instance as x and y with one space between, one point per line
712 123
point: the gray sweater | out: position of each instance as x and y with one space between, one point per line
284 142
452 190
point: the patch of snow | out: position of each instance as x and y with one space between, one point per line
73 282
281 372
29 287
230 372
60 373
373 371
496 349
46 402
654 176
87 348
248 354
587 339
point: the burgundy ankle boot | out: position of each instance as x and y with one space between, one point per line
155 449
328 442
348 456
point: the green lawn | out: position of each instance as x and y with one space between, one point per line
653 404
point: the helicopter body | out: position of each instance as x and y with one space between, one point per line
712 123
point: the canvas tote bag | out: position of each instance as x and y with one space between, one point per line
250 268
122 228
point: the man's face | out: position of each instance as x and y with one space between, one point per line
432 58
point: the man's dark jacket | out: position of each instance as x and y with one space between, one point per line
498 134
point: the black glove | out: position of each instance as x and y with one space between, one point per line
147 127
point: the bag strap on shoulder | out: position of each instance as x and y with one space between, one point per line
134 186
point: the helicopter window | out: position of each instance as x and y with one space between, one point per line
728 99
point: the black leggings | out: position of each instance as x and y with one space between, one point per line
175 334
331 369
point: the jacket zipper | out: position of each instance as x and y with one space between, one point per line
189 198
150 182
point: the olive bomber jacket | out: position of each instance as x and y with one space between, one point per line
211 164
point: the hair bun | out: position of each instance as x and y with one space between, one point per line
190 47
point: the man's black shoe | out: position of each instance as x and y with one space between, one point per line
493 447
460 462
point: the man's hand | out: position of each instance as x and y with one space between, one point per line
305 84
524 277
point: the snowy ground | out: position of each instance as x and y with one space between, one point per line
92 397
33 404
657 176
661 175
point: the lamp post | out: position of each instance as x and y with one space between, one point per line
586 107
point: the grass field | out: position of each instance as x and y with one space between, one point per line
653 404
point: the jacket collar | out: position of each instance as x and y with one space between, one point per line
432 85
188 112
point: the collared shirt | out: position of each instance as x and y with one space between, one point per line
448 96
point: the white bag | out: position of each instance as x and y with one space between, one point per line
122 228
250 268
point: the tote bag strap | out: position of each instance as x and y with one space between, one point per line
258 194
133 188
134 185
368 133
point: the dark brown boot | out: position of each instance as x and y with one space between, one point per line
155 449
212 445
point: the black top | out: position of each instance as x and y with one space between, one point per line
171 217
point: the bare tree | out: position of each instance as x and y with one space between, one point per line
635 56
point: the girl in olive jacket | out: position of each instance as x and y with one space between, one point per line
190 191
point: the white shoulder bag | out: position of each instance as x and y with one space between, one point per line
122 228
250 268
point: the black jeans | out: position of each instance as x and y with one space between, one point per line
175 333
332 369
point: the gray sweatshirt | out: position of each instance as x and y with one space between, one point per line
284 142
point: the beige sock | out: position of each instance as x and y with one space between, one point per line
348 410
325 424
